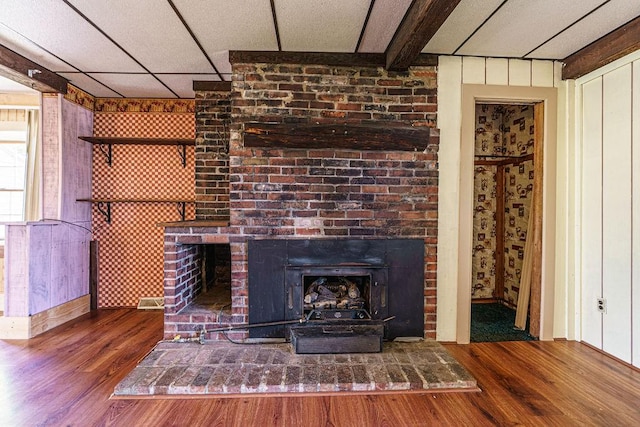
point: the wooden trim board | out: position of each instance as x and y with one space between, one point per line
30 326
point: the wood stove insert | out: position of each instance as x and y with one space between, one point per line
296 279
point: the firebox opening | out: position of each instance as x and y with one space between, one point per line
216 277
350 294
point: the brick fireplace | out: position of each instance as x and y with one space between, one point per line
304 152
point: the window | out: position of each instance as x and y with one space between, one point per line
13 156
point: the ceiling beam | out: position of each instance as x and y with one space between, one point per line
420 23
345 136
20 69
320 58
616 44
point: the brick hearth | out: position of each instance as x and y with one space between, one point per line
222 369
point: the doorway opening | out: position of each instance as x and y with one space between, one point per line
542 296
503 218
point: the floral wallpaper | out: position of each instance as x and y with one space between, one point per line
518 186
80 97
144 105
504 139
484 232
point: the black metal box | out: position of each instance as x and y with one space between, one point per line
325 338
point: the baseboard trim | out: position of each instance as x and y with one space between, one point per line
18 328
14 328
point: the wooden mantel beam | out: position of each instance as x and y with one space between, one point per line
373 137
24 71
421 22
616 44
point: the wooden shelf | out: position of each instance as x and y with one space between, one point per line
137 141
136 200
501 160
104 204
106 143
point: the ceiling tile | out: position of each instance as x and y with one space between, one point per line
134 85
222 25
320 25
521 25
385 17
182 84
141 28
462 22
89 85
29 50
58 29
221 60
610 16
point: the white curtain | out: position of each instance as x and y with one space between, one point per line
33 189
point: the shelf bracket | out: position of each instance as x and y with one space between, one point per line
182 152
182 209
105 210
107 152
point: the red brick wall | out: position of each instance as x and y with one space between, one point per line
212 155
328 192
321 192
183 282
325 192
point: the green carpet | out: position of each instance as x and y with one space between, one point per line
495 322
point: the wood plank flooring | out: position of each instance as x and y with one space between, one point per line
66 376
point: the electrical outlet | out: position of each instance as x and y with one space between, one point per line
602 305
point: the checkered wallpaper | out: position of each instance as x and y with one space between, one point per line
131 247
144 125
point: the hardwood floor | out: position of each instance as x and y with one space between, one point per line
66 376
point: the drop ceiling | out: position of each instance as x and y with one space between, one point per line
157 48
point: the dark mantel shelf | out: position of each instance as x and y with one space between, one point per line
383 137
137 141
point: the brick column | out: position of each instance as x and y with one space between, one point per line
213 107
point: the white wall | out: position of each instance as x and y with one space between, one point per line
608 189
460 79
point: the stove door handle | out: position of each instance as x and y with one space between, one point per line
290 297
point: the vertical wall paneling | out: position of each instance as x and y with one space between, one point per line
465 76
616 212
557 75
51 151
592 211
449 119
75 171
17 272
635 218
519 72
57 254
63 277
566 306
40 247
473 70
542 73
497 71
